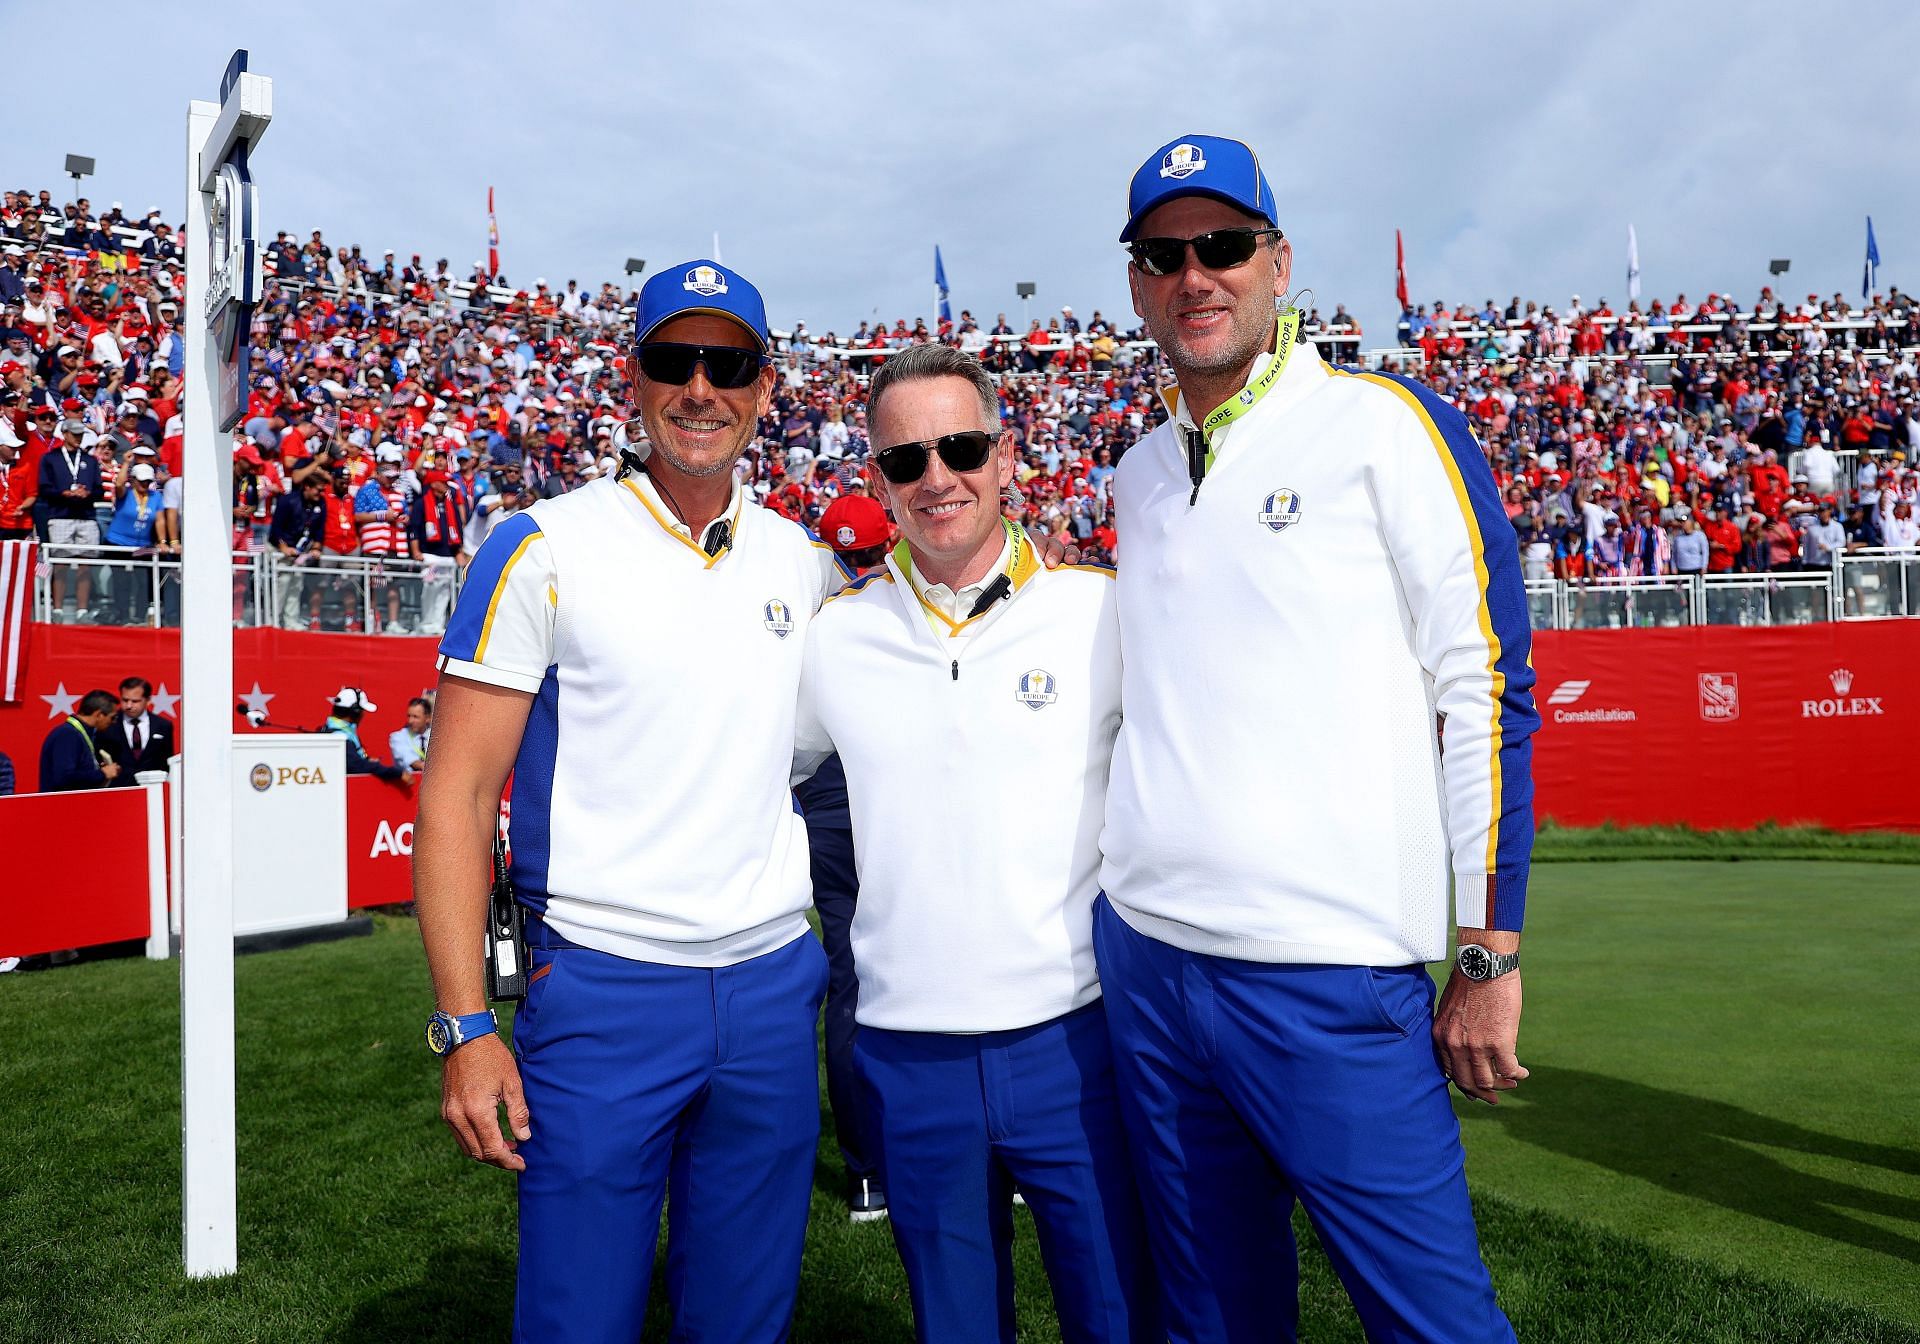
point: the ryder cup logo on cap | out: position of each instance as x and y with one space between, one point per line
1282 510
705 280
844 537
700 286
1182 160
779 618
1199 165
1036 690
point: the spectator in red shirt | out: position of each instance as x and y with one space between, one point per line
1723 541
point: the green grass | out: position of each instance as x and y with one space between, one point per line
1556 843
1720 1142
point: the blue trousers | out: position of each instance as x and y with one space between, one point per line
649 1082
962 1119
836 891
1246 1086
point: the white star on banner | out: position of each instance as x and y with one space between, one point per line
164 703
60 704
256 700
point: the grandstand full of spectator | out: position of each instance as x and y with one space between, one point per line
400 408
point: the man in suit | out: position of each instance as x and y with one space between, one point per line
408 745
138 739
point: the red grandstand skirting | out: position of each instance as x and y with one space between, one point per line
76 870
1780 739
379 840
1714 726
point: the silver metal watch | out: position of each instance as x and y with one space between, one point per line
1477 963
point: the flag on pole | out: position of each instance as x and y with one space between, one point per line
1867 273
1400 270
1633 264
716 248
944 308
17 560
493 239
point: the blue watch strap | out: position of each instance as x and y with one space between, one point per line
472 1026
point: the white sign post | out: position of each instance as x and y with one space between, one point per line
222 284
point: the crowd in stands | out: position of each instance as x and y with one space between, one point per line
398 408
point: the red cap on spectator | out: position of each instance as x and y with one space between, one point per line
855 522
432 474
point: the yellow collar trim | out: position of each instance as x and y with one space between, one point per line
667 523
1022 565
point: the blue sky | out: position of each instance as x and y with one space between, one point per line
831 146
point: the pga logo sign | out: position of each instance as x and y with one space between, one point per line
263 776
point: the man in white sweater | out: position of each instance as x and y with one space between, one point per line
948 681
1317 581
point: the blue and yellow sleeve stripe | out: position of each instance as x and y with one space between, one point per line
1508 633
486 584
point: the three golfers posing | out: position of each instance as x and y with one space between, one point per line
1313 582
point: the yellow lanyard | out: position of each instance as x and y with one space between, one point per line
1235 407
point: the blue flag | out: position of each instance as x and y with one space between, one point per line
940 286
1873 262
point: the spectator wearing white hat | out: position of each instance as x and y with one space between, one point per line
136 509
350 705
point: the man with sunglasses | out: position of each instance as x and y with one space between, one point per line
631 651
1318 574
944 680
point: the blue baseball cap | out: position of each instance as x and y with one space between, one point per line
1199 165
700 287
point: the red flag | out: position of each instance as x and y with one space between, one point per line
18 560
493 240
1400 270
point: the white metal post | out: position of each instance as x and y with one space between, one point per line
159 925
208 1204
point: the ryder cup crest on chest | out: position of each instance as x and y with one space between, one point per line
1280 510
1036 689
779 618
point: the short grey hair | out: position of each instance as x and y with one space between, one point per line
920 362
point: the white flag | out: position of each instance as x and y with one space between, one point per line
716 248
1633 265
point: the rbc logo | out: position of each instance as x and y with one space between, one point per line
1182 161
705 281
779 618
1036 690
1281 511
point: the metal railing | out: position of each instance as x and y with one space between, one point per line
359 594
355 594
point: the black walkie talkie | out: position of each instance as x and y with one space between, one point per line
506 934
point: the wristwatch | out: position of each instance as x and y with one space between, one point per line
447 1033
1477 963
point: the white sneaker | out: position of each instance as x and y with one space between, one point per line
9 964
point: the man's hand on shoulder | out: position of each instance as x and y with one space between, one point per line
1053 552
1476 1030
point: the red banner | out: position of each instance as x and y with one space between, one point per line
1709 725
76 870
379 841
1718 726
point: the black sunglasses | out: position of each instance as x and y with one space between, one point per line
1220 250
672 362
905 463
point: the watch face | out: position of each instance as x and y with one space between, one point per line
1475 963
439 1040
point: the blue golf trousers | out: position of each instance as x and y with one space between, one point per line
646 1083
963 1119
1247 1085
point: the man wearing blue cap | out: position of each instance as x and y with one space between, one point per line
631 651
1318 574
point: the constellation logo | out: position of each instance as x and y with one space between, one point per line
1571 693
1841 705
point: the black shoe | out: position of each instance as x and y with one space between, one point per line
866 1200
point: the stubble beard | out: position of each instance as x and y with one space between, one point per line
1252 333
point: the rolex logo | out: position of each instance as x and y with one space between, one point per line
1842 680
